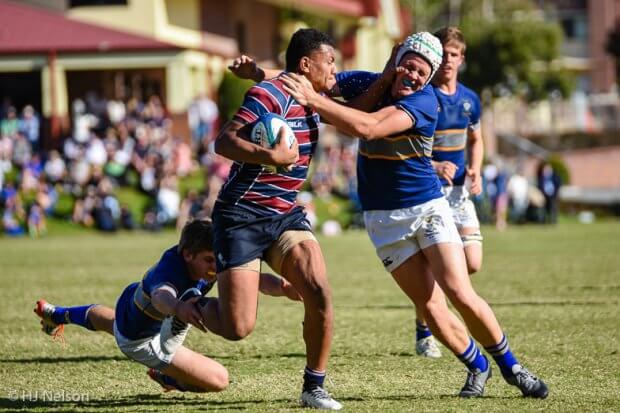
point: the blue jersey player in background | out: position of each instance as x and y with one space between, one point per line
458 152
406 213
152 317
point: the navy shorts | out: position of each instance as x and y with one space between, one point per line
241 236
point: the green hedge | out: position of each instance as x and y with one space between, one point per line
558 165
231 93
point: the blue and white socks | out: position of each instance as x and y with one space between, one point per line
501 353
503 356
73 315
421 330
473 358
313 378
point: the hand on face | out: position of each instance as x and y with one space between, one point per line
320 68
390 70
412 77
299 87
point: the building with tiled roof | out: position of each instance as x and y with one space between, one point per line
176 49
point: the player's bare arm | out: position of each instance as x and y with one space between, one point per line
231 144
475 154
368 101
384 122
166 303
275 286
244 67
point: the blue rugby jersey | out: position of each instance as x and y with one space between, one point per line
131 321
251 186
396 172
458 113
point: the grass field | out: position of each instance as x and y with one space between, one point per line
555 290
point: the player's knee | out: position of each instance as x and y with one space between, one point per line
239 333
216 382
240 330
220 381
473 266
315 286
473 251
463 300
434 310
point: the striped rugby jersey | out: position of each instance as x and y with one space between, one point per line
251 186
458 113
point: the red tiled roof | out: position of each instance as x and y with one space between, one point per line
27 29
354 8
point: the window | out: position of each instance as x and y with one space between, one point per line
240 34
575 28
78 3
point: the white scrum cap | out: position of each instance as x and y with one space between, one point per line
427 46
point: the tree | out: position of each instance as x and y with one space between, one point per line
427 14
231 93
515 57
510 48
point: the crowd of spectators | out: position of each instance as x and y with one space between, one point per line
23 205
115 144
111 144
510 197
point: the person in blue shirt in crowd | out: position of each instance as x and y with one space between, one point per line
406 213
549 183
152 317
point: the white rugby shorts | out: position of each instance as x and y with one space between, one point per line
149 351
400 233
463 209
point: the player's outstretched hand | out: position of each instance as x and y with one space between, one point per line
445 170
289 291
283 156
278 287
187 312
476 181
245 67
300 88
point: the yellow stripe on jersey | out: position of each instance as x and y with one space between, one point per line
397 148
449 131
389 158
448 148
449 140
143 301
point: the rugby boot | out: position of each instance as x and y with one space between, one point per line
529 384
476 380
45 311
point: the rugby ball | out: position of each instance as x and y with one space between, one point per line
266 129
